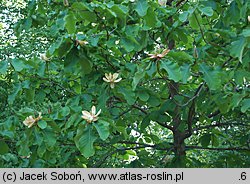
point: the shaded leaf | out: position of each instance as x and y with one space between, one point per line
70 23
211 77
172 69
42 124
138 76
18 64
205 140
245 105
185 72
102 128
237 48
85 139
141 7
4 147
3 66
207 10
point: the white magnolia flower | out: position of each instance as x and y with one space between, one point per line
91 116
30 120
159 56
112 79
248 17
44 57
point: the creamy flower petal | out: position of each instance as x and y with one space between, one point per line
165 52
115 75
106 80
31 125
25 123
107 76
110 76
93 110
118 80
39 116
152 56
160 55
86 115
99 112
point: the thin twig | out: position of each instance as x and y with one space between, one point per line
218 149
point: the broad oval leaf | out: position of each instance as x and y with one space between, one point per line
85 139
172 69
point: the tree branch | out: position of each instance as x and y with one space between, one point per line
139 108
214 114
218 149
196 94
220 125
191 112
166 126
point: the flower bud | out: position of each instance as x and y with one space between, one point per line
162 2
66 2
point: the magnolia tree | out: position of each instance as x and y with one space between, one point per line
125 83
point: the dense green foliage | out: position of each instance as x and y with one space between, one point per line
183 100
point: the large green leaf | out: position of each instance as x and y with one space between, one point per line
85 139
129 43
77 62
121 11
141 7
42 124
128 95
237 48
183 16
15 91
150 18
49 137
4 147
65 111
70 23
193 21
88 16
205 140
180 56
206 10
41 69
73 119
185 72
18 64
102 128
236 99
143 95
246 32
3 66
138 76
172 69
210 76
85 63
30 94
245 105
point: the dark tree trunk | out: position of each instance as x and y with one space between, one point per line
179 144
179 149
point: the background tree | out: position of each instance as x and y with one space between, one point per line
171 79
